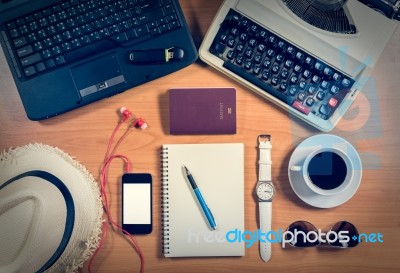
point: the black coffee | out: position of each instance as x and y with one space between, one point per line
327 170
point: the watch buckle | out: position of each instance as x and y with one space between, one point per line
264 138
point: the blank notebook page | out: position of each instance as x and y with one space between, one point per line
218 170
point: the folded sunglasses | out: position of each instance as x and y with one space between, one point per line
343 234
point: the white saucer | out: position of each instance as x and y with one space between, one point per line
296 179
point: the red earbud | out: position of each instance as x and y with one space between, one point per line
139 123
125 113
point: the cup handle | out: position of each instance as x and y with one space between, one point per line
295 168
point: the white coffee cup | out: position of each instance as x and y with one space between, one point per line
326 171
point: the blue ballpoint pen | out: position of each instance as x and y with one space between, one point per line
203 204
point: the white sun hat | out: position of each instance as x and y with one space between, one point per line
50 211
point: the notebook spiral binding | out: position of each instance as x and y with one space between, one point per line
164 201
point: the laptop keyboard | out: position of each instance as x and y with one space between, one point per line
278 67
74 29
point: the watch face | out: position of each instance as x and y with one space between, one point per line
265 191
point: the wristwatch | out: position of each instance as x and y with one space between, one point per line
265 193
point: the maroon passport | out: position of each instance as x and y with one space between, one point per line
202 111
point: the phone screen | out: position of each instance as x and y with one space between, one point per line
136 203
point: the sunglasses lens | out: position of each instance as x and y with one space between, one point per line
303 234
347 229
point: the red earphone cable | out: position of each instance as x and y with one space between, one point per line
111 140
108 158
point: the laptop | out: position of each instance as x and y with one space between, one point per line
67 54
310 57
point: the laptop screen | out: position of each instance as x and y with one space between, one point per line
9 4
11 9
12 2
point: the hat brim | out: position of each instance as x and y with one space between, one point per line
50 211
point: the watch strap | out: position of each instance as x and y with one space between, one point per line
264 175
265 162
265 226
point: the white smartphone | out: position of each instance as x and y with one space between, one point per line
137 208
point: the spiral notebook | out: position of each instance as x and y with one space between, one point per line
218 170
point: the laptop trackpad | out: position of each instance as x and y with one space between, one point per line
97 75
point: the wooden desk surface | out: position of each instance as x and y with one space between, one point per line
372 126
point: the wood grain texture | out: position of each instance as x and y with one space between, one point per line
372 126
